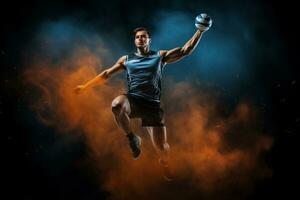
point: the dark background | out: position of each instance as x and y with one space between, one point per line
27 142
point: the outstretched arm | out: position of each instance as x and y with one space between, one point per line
103 76
178 53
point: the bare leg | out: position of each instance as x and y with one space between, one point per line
158 137
121 110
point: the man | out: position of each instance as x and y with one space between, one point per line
144 73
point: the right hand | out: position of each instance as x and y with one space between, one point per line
79 88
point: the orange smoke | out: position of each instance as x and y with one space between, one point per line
211 155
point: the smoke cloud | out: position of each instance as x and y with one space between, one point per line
213 154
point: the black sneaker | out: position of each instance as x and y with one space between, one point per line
135 145
168 175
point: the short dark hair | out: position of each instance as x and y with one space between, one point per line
141 29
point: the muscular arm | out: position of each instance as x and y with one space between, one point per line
103 76
178 53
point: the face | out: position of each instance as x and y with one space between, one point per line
142 39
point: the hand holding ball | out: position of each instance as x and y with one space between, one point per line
203 22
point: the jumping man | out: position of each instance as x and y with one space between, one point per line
144 72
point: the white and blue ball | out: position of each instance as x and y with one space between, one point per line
203 22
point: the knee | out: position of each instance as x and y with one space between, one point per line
116 107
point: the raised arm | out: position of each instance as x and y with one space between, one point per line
103 76
203 22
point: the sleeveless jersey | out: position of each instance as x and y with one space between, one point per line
144 75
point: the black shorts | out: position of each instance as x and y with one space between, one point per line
150 112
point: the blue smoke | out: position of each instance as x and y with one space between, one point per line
222 53
229 54
57 40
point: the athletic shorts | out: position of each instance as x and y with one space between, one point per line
150 112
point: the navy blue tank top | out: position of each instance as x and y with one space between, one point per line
144 75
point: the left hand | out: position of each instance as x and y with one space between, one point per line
203 22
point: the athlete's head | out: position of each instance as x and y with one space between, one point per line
142 37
